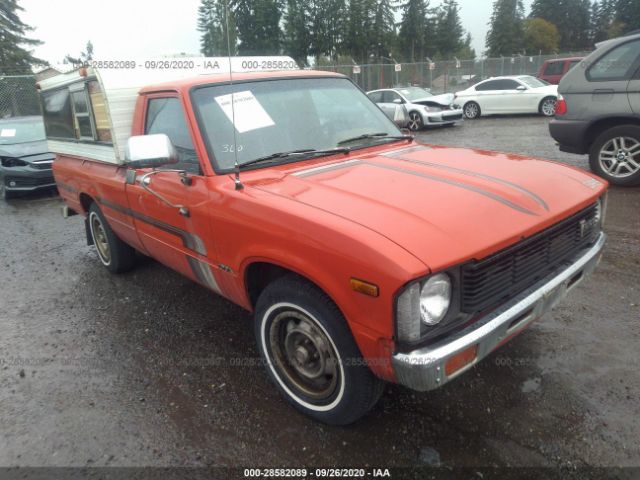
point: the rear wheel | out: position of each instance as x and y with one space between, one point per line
415 121
310 354
615 155
472 110
114 254
548 106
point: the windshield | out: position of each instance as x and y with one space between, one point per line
284 115
532 82
414 93
21 131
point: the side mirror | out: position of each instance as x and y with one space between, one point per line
521 88
398 101
150 151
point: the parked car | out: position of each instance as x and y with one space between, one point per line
599 111
25 163
425 109
364 256
510 94
553 70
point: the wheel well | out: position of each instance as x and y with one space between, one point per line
86 201
545 98
260 274
599 126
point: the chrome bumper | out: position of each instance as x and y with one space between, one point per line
424 369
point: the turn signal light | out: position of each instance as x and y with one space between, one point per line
561 106
460 360
365 287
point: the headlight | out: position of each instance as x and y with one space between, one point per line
10 162
601 210
435 298
422 305
432 109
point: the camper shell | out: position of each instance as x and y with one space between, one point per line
89 112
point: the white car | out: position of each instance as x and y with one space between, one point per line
424 108
512 94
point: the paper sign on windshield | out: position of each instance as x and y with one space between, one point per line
8 132
248 115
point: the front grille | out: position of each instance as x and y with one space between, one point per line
496 279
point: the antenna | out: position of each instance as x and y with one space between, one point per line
236 166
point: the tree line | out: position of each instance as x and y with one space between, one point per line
361 31
558 25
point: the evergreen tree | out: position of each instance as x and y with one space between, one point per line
355 42
15 58
382 34
505 35
326 25
258 25
85 56
467 52
449 34
212 23
297 41
572 18
412 30
628 14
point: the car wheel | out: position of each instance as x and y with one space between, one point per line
310 354
615 155
548 106
472 110
415 121
114 254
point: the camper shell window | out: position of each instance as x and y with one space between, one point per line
77 112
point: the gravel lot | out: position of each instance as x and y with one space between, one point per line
138 369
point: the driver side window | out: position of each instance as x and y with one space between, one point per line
165 115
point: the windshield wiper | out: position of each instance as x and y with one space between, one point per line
304 151
384 135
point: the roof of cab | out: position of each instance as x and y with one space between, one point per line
187 83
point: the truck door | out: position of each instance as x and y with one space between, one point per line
172 213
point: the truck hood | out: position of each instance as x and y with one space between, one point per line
444 205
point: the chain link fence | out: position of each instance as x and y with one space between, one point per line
18 96
443 76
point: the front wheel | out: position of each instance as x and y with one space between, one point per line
310 354
615 155
472 110
548 106
415 121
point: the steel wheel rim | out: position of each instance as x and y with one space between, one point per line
471 110
414 124
100 239
304 355
620 157
549 107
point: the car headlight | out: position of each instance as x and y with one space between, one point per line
10 162
435 298
432 109
422 305
601 210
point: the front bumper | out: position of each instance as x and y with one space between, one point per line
425 369
26 179
443 117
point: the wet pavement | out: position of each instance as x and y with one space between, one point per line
149 369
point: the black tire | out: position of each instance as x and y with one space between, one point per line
620 162
114 254
290 312
545 106
472 110
415 121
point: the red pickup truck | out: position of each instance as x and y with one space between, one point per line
365 256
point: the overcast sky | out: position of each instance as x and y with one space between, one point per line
128 29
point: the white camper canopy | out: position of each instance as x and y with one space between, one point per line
88 112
